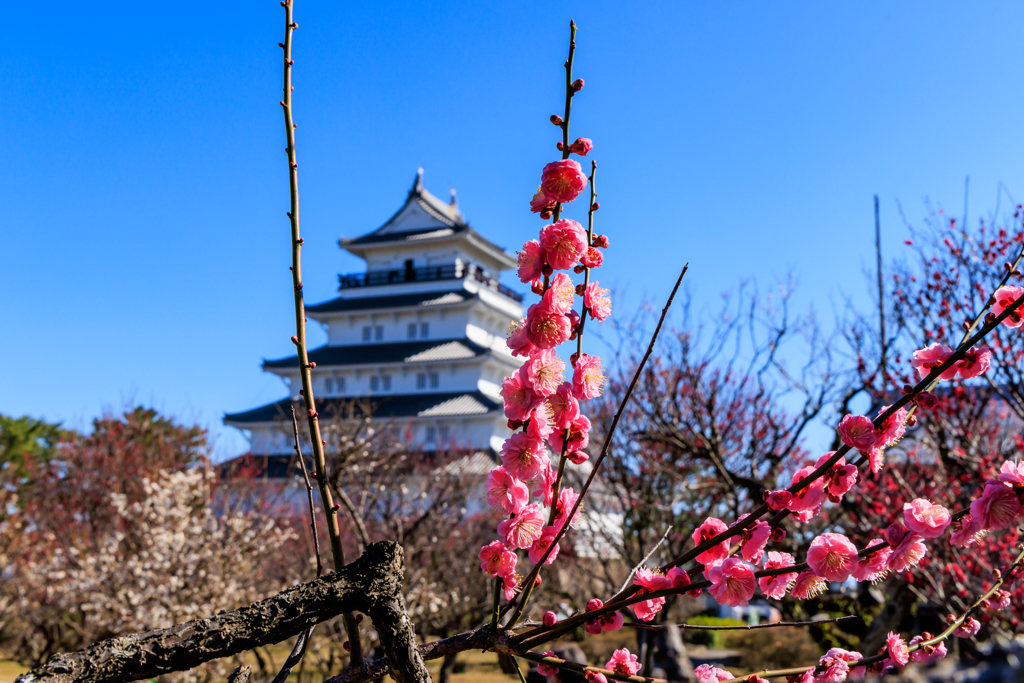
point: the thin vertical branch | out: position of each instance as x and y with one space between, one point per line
305 367
881 296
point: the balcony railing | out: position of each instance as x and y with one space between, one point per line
451 271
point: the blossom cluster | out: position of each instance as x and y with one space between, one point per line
542 404
832 557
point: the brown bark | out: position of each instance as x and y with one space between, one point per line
371 584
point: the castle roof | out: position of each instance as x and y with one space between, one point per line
425 218
416 300
447 404
421 351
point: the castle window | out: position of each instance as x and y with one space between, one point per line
374 382
444 434
421 380
424 330
340 383
431 435
385 382
378 332
328 386
434 380
412 330
367 333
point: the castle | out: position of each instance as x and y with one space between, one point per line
419 336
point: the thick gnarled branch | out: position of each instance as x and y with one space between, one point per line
371 584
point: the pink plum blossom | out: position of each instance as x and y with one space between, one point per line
975 362
578 432
567 498
777 586
509 583
897 648
505 491
544 372
546 328
564 406
892 429
732 582
809 497
857 431
1000 600
968 629
561 294
530 262
543 483
540 425
755 538
518 396
523 456
929 653
907 554
1011 473
932 356
997 508
709 529
497 560
832 556
592 258
649 581
563 243
523 528
587 377
925 518
597 301
835 666
808 585
707 673
562 181
518 342
541 202
840 477
547 669
622 662
875 565
1004 297
541 545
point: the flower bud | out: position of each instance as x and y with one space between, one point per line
545 214
547 270
312 365
359 618
593 627
515 424
594 603
345 646
778 534
578 270
926 400
550 618
595 206
895 533
556 119
581 146
580 289
577 85
538 581
559 146
601 241
295 340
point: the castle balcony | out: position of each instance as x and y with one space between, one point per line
451 271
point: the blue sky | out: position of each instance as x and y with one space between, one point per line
143 241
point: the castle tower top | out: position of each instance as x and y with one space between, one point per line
429 231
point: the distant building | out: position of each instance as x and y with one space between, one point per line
419 336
